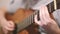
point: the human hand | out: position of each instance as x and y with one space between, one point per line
7 26
46 22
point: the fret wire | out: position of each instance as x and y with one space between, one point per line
55 5
50 8
26 22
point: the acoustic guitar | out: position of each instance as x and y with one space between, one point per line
24 21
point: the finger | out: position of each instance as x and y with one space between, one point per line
5 31
9 29
46 12
11 23
42 16
36 21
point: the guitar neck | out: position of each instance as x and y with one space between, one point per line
26 22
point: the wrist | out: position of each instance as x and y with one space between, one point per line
2 13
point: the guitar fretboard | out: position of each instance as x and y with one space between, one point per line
26 22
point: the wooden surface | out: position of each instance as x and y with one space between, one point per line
20 15
32 29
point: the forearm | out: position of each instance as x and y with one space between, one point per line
2 16
54 32
58 31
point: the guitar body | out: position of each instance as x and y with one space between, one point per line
19 16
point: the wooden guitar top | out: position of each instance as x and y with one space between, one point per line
20 15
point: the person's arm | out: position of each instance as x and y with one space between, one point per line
50 26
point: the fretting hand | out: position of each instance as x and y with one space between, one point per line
46 22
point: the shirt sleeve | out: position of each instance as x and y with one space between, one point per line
16 5
56 15
12 5
40 3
